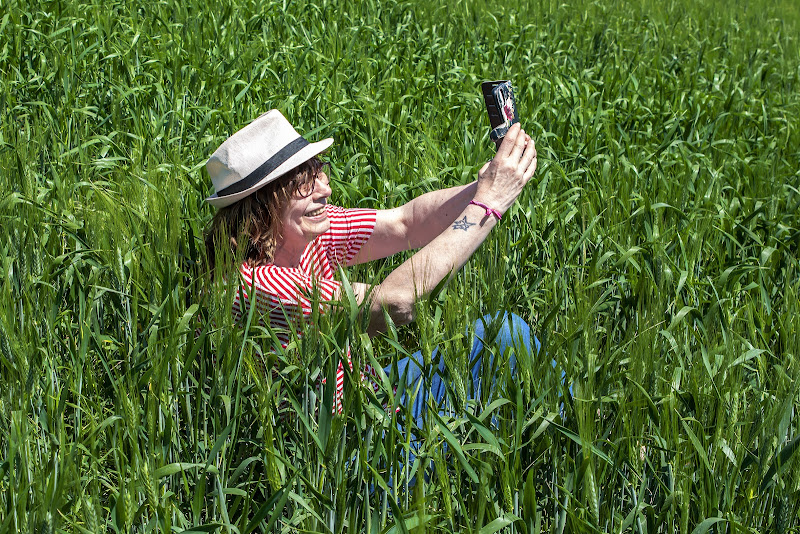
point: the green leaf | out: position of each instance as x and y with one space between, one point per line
498 524
781 461
698 447
455 446
187 316
415 521
171 469
703 527
208 527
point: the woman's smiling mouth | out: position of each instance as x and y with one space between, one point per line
316 212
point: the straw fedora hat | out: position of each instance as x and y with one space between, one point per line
256 155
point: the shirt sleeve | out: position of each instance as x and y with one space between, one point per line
350 229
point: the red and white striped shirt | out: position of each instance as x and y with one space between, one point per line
289 292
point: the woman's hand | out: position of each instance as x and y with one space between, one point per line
502 179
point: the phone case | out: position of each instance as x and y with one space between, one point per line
501 107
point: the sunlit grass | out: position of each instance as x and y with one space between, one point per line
655 256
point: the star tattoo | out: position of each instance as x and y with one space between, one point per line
462 224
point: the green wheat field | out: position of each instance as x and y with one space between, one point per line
655 254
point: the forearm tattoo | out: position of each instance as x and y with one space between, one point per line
462 224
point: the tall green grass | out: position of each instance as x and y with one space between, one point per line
655 256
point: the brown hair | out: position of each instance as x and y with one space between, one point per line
256 219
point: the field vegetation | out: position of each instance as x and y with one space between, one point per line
655 255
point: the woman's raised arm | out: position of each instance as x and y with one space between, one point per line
499 184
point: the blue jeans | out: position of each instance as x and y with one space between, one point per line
513 332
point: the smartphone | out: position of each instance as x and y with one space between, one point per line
501 107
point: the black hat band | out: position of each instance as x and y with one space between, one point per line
278 159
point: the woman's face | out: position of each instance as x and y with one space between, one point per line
304 217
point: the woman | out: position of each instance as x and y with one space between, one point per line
273 192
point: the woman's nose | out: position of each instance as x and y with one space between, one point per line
324 184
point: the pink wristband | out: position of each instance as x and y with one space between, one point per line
489 211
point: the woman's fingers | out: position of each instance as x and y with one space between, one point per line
531 169
528 158
512 167
509 141
519 145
